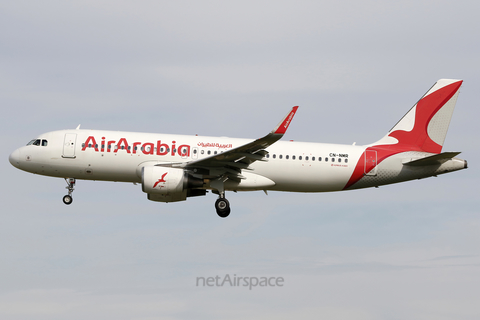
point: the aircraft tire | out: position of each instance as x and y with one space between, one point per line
67 200
223 207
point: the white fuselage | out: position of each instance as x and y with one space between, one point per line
290 166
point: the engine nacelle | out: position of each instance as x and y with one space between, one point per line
162 180
169 184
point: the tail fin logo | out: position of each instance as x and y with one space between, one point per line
162 179
418 138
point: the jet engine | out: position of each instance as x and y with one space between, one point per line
166 184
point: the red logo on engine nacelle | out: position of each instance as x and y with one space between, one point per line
162 179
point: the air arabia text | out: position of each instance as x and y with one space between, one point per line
215 145
161 149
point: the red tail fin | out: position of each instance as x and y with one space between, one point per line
425 126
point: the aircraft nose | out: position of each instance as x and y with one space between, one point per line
14 158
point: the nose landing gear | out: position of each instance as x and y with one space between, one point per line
70 186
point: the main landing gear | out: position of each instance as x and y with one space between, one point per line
70 186
223 207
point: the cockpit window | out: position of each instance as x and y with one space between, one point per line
38 142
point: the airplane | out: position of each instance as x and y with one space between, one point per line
172 168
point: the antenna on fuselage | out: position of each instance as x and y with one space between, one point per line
78 127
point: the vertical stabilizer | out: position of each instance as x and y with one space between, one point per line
425 126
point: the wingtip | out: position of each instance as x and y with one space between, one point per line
283 126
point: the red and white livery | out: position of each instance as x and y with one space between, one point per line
174 167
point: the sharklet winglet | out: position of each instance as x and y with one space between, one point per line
283 125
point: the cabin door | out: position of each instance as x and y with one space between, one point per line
370 163
69 145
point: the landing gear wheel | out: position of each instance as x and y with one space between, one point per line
67 199
70 187
223 207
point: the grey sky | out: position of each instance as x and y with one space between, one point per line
406 251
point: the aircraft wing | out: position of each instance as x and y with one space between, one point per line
231 162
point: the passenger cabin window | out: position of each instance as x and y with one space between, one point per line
293 157
319 158
299 157
286 157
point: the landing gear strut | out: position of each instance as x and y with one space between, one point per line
70 186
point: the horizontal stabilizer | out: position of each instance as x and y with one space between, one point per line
432 160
